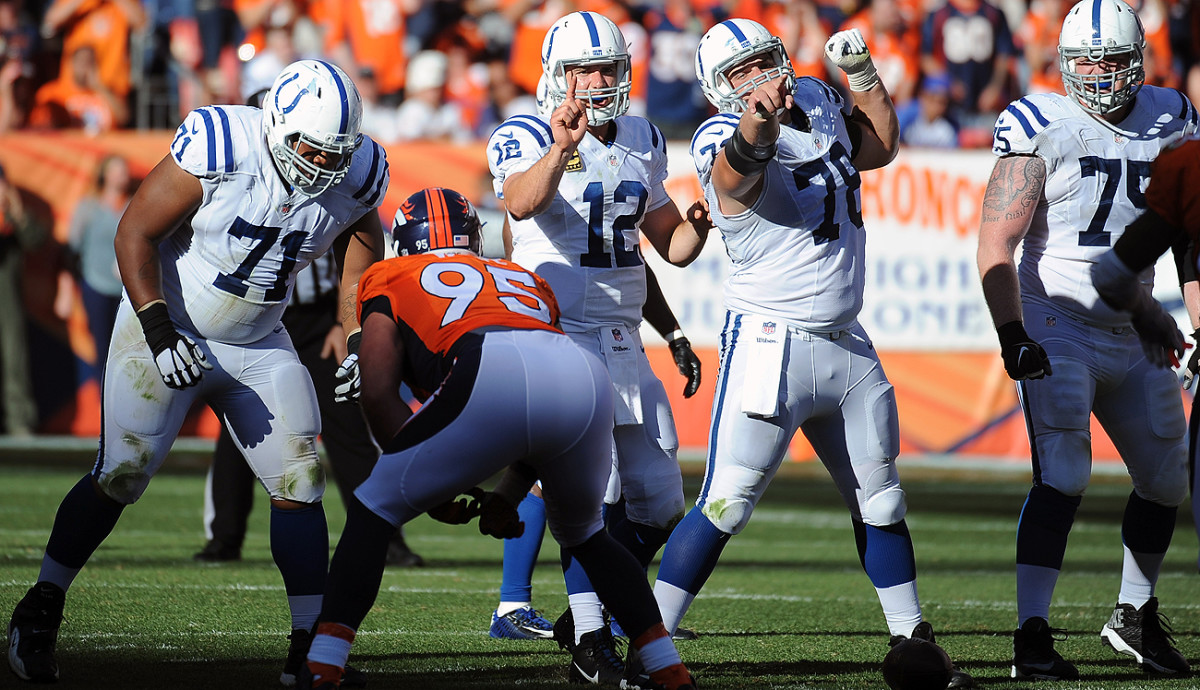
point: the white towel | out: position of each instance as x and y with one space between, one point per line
621 355
763 339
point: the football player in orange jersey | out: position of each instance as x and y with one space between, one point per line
507 390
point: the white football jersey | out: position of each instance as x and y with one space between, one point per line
1096 175
228 271
797 254
586 244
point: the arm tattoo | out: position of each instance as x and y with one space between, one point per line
1015 187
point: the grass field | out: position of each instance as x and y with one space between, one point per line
788 606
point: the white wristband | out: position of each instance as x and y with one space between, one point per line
674 335
865 79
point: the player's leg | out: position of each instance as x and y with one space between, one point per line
1193 462
142 417
272 416
514 617
1058 416
574 482
475 425
1144 417
744 453
229 491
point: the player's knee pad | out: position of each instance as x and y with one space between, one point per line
885 508
302 478
730 515
125 481
1064 460
1169 488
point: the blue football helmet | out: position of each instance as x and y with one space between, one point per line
436 218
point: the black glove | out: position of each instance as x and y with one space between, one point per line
459 511
1162 342
498 518
178 358
1193 363
348 376
1023 358
688 363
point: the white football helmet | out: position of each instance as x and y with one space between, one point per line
728 45
1097 30
581 39
313 102
545 104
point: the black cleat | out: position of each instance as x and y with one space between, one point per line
564 631
1034 656
33 633
596 660
1140 633
218 552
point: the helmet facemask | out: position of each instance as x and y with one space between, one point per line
1098 31
587 39
603 103
730 44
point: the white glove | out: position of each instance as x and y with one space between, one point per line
848 50
349 381
180 363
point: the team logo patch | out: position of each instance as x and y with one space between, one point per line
613 161
768 327
617 336
1051 320
575 164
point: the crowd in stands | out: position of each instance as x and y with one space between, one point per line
452 70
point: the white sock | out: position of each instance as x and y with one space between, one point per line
507 607
1035 588
585 608
305 610
673 603
1139 572
901 607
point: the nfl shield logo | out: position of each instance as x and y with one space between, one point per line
617 335
768 327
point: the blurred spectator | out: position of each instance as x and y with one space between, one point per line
379 120
219 31
1157 59
278 51
79 99
369 33
1192 61
895 43
798 24
467 74
1038 38
971 40
18 43
92 257
674 100
102 25
926 121
19 232
425 114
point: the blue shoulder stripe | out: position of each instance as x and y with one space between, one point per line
1187 113
656 137
366 185
374 178
722 119
1037 114
226 138
540 130
210 137
1017 110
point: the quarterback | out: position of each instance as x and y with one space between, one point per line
208 250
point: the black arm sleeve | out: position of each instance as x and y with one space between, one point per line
1145 240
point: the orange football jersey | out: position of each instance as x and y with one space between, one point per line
1172 192
440 298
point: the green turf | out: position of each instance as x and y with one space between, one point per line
788 606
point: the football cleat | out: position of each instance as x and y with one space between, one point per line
216 552
306 681
924 631
299 642
33 633
1034 656
524 623
1140 634
596 660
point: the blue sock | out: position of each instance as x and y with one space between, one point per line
576 580
692 552
84 520
1147 526
1045 523
300 547
886 553
521 554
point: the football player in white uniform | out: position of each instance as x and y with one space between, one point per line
578 187
208 250
780 170
1071 175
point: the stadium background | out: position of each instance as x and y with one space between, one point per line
924 307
